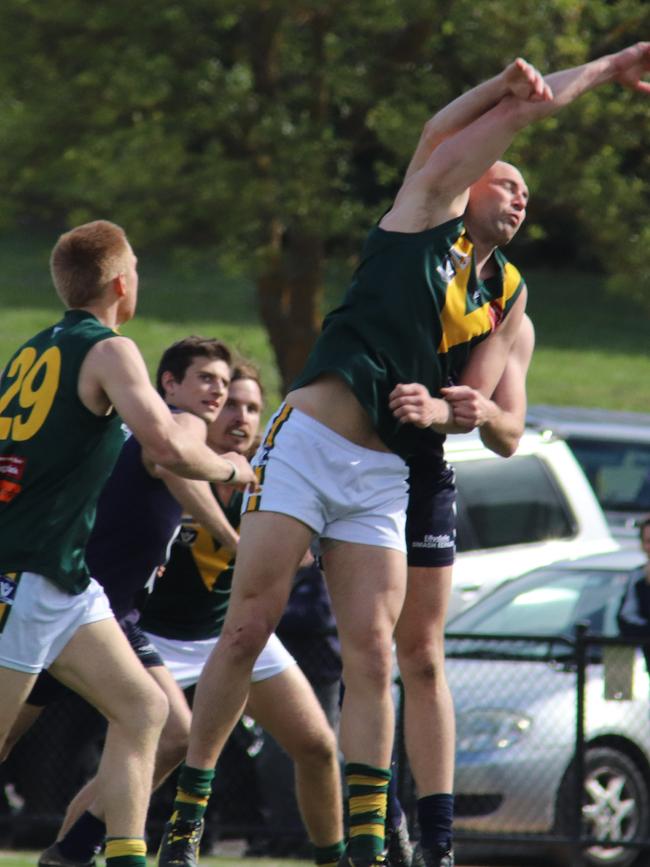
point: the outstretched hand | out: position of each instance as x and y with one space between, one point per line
522 80
631 65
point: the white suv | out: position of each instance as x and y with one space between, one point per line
518 513
613 448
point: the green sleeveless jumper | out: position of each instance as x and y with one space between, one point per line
413 312
55 455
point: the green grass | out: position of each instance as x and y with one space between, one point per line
177 297
591 346
29 859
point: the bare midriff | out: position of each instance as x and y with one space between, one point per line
330 401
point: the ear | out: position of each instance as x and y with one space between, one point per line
119 285
167 380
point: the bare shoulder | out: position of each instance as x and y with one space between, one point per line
117 358
116 349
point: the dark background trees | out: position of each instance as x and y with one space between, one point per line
276 131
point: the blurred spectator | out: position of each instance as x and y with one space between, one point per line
634 612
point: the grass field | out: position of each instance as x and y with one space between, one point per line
591 347
29 859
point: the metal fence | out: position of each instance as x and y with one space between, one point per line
553 760
553 747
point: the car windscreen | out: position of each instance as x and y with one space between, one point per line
513 502
547 603
619 472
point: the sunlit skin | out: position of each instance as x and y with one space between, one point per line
236 426
203 389
497 206
130 299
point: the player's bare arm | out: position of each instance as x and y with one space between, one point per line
114 373
488 359
505 424
501 418
437 191
432 193
519 78
412 403
194 495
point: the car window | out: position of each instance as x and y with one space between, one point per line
551 603
619 472
509 503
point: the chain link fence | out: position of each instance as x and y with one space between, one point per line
553 760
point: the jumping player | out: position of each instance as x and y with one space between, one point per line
332 462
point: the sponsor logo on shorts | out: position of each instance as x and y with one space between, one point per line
431 541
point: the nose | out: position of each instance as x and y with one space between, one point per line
219 387
519 201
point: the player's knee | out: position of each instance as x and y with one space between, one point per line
157 708
372 664
318 749
421 664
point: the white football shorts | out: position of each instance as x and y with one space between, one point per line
185 659
340 490
38 619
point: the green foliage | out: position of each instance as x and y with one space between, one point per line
231 123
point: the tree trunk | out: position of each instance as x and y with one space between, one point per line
290 292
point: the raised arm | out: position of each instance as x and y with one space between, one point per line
116 369
519 78
441 173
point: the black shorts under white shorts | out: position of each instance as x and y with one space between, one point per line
48 689
431 514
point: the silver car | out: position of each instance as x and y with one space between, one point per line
516 710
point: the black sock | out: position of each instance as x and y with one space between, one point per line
435 817
84 839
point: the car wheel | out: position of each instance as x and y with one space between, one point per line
615 806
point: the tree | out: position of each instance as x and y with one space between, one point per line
277 131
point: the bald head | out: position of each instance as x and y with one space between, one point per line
497 205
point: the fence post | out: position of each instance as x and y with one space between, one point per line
581 679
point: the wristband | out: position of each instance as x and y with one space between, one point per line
233 475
